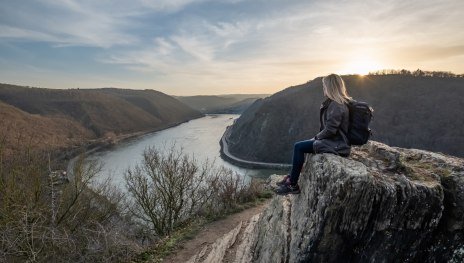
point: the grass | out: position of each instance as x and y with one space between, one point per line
171 243
417 169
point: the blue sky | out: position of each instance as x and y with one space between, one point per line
187 47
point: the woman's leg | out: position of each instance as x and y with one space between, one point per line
299 149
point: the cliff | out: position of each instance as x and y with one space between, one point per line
383 204
409 111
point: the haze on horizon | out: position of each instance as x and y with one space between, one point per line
190 47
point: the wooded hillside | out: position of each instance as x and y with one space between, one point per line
63 116
425 112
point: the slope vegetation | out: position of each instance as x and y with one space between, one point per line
19 130
410 111
59 117
231 103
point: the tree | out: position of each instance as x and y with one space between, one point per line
42 220
167 189
170 188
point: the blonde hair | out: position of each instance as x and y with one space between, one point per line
334 88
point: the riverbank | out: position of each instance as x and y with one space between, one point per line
226 155
103 144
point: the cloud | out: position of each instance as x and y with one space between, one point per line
202 50
87 23
308 37
168 5
164 47
19 33
64 23
212 43
429 52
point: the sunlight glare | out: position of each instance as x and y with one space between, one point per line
362 66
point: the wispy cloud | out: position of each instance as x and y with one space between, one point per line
20 33
195 47
168 5
422 52
228 44
65 23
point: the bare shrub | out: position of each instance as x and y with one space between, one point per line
253 190
166 189
42 221
231 189
169 189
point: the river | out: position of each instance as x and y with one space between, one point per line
199 137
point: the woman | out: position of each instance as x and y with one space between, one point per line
334 121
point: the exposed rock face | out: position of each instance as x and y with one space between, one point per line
382 204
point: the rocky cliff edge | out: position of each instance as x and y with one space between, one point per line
383 204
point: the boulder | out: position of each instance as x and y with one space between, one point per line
382 204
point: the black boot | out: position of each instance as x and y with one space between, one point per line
288 189
284 181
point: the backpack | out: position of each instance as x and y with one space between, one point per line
360 117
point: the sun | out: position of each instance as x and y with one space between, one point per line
361 66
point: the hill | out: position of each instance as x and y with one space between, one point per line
20 130
163 107
230 103
89 113
423 112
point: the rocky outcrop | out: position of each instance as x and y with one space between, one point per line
382 204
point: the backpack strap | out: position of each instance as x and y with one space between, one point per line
342 133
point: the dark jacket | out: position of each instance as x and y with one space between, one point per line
334 121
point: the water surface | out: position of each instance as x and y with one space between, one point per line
199 137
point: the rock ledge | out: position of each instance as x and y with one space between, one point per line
382 204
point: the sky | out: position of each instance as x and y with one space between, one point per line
192 47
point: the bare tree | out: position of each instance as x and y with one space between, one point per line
417 73
41 221
166 189
170 188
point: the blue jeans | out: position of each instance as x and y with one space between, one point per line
299 150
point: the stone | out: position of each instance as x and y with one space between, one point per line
383 204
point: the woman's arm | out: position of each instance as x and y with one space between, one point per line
334 119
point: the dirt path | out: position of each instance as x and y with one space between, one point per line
210 232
